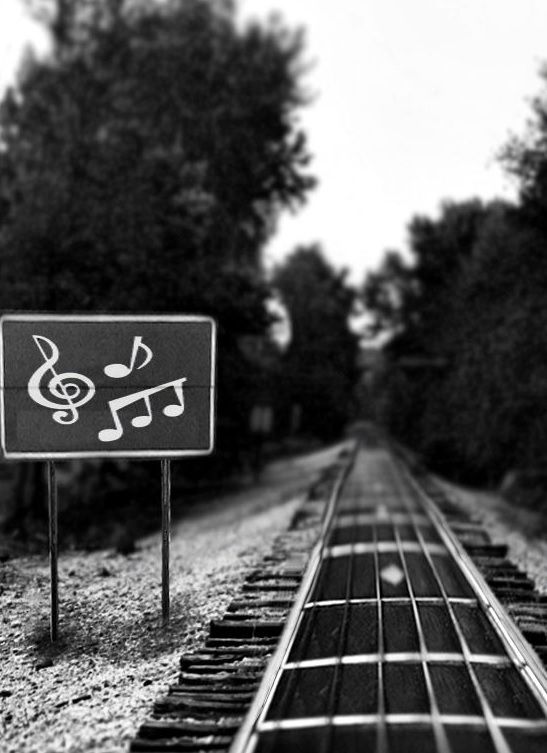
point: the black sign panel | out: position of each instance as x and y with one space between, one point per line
93 386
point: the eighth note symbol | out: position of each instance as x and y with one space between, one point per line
119 370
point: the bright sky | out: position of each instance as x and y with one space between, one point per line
414 98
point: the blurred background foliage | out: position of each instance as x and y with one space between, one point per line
143 165
321 363
464 374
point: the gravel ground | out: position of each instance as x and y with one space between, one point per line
522 530
91 691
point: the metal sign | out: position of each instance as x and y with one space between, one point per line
75 386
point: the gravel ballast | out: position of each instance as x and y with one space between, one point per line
522 530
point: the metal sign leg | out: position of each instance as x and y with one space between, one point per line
53 549
165 533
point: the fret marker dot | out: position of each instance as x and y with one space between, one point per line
392 574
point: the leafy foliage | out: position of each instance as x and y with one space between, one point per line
143 165
154 148
320 367
497 386
525 158
469 365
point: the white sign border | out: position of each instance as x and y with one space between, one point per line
108 318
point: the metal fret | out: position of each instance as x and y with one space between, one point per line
407 657
391 600
402 720
350 519
382 547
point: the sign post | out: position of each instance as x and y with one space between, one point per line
95 386
165 535
53 548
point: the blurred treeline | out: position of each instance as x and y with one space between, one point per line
464 376
143 165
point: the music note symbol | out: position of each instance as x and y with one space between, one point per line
115 406
70 389
119 370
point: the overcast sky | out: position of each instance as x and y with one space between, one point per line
413 100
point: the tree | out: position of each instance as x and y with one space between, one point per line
143 165
408 298
320 367
525 158
473 299
496 388
156 140
412 302
389 295
453 313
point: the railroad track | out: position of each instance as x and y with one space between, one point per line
216 686
395 641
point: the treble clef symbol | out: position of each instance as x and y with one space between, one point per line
69 390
